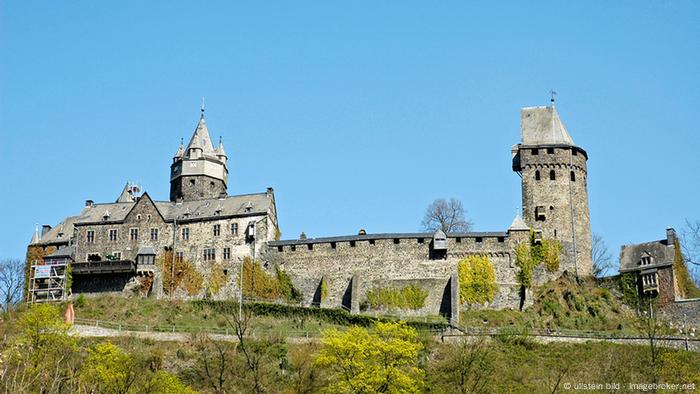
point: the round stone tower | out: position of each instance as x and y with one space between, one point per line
554 186
198 171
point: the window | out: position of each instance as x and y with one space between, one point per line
552 176
535 152
371 242
154 234
227 253
112 235
148 217
397 241
478 239
90 236
550 151
501 239
117 255
192 182
537 175
138 217
573 176
234 229
179 256
574 152
646 260
540 213
209 254
217 230
280 248
134 234
352 244
458 240
310 246
185 233
421 240
293 248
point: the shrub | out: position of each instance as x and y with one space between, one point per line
186 275
686 286
409 297
477 280
530 255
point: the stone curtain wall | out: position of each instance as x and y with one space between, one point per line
390 264
687 311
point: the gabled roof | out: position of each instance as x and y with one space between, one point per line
661 253
200 138
542 126
61 233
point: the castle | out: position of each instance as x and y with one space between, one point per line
112 247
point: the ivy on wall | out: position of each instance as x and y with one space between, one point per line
686 286
217 278
477 280
258 283
324 288
186 275
528 255
409 297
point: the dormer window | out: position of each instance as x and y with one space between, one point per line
646 259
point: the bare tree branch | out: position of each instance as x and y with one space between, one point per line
11 282
448 215
690 243
602 259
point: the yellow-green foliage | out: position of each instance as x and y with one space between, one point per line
382 360
477 280
259 284
409 297
217 278
108 369
530 255
186 274
324 288
686 286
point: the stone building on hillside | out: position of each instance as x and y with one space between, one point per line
113 244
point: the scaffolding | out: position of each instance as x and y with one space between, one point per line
47 282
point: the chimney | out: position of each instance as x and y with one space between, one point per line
670 236
45 229
89 203
270 191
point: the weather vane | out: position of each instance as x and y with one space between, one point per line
552 95
202 105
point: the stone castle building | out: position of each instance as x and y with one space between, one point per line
110 245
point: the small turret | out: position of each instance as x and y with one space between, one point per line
220 152
35 237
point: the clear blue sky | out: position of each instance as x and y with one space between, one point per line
359 114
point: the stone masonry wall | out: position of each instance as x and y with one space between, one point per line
558 197
389 263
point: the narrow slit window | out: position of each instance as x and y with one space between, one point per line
573 176
352 244
537 175
552 175
535 152
332 245
310 246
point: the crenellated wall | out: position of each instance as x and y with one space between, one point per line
393 260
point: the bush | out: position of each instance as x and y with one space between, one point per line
80 301
477 280
409 297
530 255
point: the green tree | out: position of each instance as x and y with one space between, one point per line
477 280
40 357
108 369
464 367
382 360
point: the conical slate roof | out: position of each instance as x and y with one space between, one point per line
126 195
220 149
35 237
180 151
518 224
200 138
542 126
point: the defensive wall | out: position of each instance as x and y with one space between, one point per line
351 266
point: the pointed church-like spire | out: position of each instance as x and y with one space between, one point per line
220 149
35 237
127 194
200 139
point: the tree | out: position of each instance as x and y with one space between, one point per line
464 367
11 282
214 363
383 360
108 369
602 259
449 216
690 239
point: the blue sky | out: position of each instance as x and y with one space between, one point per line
359 114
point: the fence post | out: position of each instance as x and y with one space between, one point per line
120 327
97 323
173 328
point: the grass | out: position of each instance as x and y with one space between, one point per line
567 303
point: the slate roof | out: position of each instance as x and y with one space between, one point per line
146 250
518 224
259 203
126 195
61 233
366 237
542 126
661 251
200 139
63 251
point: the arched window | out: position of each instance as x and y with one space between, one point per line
537 175
573 176
552 176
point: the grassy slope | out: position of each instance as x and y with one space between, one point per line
566 303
